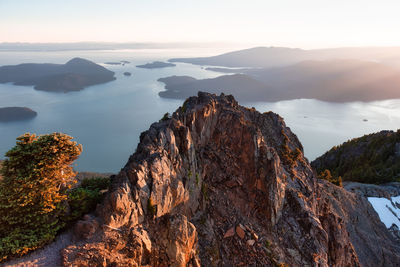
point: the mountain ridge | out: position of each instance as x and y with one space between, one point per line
331 81
284 56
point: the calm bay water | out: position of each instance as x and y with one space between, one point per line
107 119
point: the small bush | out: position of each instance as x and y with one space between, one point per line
151 208
84 198
165 117
96 184
326 175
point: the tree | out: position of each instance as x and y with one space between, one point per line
36 175
326 175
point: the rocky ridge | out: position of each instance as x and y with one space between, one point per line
218 184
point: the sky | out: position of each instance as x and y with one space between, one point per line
295 23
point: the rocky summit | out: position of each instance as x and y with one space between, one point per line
218 184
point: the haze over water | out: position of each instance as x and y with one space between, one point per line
107 119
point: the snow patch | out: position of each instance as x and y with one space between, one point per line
388 210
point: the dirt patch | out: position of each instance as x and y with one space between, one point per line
46 256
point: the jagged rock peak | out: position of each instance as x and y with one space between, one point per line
218 184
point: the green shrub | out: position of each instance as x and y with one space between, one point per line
83 199
96 184
165 117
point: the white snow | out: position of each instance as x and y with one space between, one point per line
387 210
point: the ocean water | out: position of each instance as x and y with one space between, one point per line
107 119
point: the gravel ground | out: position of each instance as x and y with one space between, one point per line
49 256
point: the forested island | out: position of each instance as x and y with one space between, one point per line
75 75
156 65
9 114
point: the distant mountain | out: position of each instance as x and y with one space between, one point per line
16 114
75 75
253 57
373 158
283 56
156 65
333 81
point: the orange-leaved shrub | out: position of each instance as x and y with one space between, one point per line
36 176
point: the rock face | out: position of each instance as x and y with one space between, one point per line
218 184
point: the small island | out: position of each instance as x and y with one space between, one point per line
75 75
122 62
156 65
9 114
127 73
113 63
229 70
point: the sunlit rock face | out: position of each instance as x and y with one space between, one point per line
218 184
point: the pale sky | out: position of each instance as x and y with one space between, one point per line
295 23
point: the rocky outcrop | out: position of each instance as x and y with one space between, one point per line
218 184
